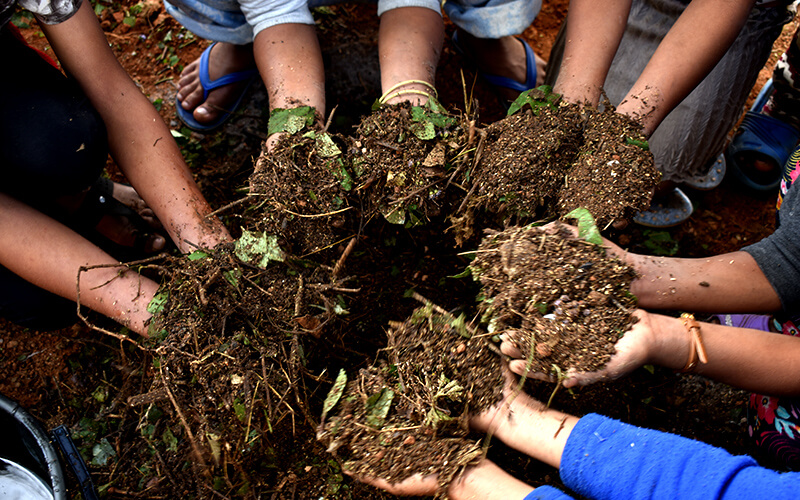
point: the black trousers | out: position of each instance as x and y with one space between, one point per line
53 143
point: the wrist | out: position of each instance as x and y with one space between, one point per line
670 348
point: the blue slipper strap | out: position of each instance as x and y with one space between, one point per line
209 85
509 83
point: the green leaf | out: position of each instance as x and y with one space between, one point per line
642 144
587 229
100 394
378 406
290 120
158 302
232 276
258 249
397 215
170 440
102 452
424 131
466 273
335 394
538 98
130 21
197 255
326 148
240 410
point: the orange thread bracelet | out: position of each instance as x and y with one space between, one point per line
697 350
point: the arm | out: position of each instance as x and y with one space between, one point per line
589 51
139 140
290 62
602 458
410 43
48 254
730 282
691 49
753 360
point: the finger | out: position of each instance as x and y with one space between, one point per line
510 349
521 368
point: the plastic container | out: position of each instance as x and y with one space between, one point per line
29 465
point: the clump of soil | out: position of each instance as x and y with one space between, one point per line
551 157
404 158
613 175
408 413
559 298
526 157
227 339
300 191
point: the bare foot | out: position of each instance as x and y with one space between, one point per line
225 58
502 57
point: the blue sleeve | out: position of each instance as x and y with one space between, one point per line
607 459
547 493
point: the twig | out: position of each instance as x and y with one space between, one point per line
330 119
229 205
340 263
317 215
189 433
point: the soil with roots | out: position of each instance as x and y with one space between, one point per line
378 255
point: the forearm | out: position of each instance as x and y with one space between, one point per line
531 428
49 255
731 282
757 361
487 481
290 62
139 140
410 43
691 49
589 51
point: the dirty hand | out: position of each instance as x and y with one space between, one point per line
632 351
416 485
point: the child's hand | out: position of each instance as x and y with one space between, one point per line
633 351
415 485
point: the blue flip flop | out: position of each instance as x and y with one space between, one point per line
504 82
208 85
763 135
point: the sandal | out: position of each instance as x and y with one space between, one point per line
761 137
712 179
99 203
665 211
187 117
497 81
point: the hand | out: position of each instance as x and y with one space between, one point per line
416 485
633 351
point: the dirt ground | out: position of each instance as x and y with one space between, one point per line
84 379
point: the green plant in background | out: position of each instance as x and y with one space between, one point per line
660 243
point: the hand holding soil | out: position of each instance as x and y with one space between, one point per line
632 351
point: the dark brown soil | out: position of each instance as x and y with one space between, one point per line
228 404
408 414
559 298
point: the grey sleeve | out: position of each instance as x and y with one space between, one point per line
778 255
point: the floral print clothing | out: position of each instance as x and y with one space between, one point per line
774 425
